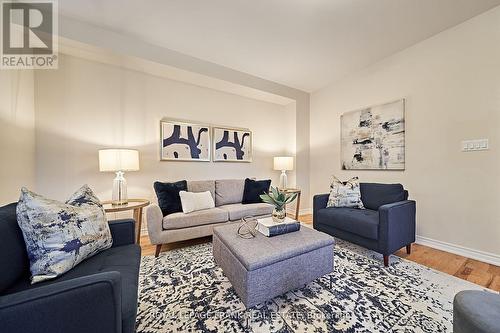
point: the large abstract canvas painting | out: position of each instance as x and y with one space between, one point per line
374 138
184 142
232 145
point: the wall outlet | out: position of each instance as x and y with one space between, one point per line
475 145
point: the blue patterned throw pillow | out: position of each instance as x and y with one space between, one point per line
60 235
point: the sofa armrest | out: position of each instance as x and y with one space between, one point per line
122 231
319 202
86 304
397 223
154 218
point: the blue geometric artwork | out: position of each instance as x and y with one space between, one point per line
232 145
374 138
184 142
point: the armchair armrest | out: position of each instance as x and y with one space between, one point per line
396 225
122 231
154 218
86 304
319 202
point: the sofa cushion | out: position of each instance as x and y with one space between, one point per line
194 201
13 255
375 195
362 222
168 196
59 235
229 191
253 189
201 186
123 259
345 194
200 217
237 211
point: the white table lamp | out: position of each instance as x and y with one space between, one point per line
119 161
283 164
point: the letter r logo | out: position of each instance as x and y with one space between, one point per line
27 28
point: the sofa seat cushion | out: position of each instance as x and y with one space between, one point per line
123 259
193 219
238 211
362 222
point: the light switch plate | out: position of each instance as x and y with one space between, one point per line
475 145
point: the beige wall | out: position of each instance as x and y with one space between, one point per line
17 133
452 86
302 163
86 105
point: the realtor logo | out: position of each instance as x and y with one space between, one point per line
29 35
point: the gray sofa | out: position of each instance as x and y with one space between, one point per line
227 194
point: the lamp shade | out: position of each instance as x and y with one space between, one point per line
283 163
118 160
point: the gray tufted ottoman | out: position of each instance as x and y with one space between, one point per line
263 267
476 312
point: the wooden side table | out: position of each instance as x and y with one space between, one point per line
297 207
133 204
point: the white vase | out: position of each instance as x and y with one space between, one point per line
279 215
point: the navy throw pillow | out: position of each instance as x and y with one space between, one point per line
253 189
169 199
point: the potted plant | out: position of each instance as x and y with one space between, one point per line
278 199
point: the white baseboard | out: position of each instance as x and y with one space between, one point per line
486 257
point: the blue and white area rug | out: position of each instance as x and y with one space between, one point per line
184 291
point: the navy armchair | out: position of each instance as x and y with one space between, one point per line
386 225
99 295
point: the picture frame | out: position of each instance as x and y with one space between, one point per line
184 141
373 138
232 144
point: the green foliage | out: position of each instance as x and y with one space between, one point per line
278 198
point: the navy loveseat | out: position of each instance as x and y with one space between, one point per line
386 225
99 295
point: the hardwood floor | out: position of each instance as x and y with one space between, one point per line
464 268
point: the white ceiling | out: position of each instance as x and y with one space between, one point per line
305 44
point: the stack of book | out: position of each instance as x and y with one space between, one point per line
269 228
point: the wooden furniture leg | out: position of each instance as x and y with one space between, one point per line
297 208
158 250
138 224
408 249
386 261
